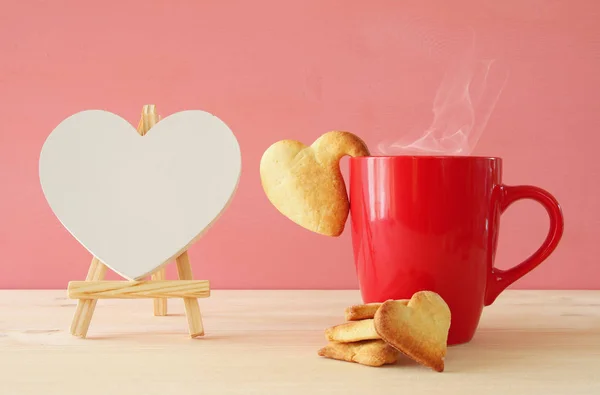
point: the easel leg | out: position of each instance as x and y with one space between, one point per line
85 307
192 309
160 304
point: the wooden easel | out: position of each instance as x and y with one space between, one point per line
93 288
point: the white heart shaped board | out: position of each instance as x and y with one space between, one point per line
136 202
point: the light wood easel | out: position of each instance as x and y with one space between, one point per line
93 288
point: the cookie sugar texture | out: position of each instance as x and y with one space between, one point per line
305 183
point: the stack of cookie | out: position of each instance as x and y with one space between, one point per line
377 334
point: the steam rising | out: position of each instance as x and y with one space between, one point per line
462 106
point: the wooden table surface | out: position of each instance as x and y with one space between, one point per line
266 342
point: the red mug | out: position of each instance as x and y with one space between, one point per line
431 223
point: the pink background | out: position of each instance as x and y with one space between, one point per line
296 69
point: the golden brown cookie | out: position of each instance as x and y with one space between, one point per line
368 352
305 184
352 332
419 329
364 311
361 311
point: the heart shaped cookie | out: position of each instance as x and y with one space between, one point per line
352 331
368 352
305 183
365 311
136 202
418 329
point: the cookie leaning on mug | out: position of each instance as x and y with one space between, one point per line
305 183
418 329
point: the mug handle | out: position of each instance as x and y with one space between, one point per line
498 279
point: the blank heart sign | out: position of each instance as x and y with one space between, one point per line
136 202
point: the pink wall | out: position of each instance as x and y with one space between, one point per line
274 70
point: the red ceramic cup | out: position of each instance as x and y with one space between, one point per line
432 223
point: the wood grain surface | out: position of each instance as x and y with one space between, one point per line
266 342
